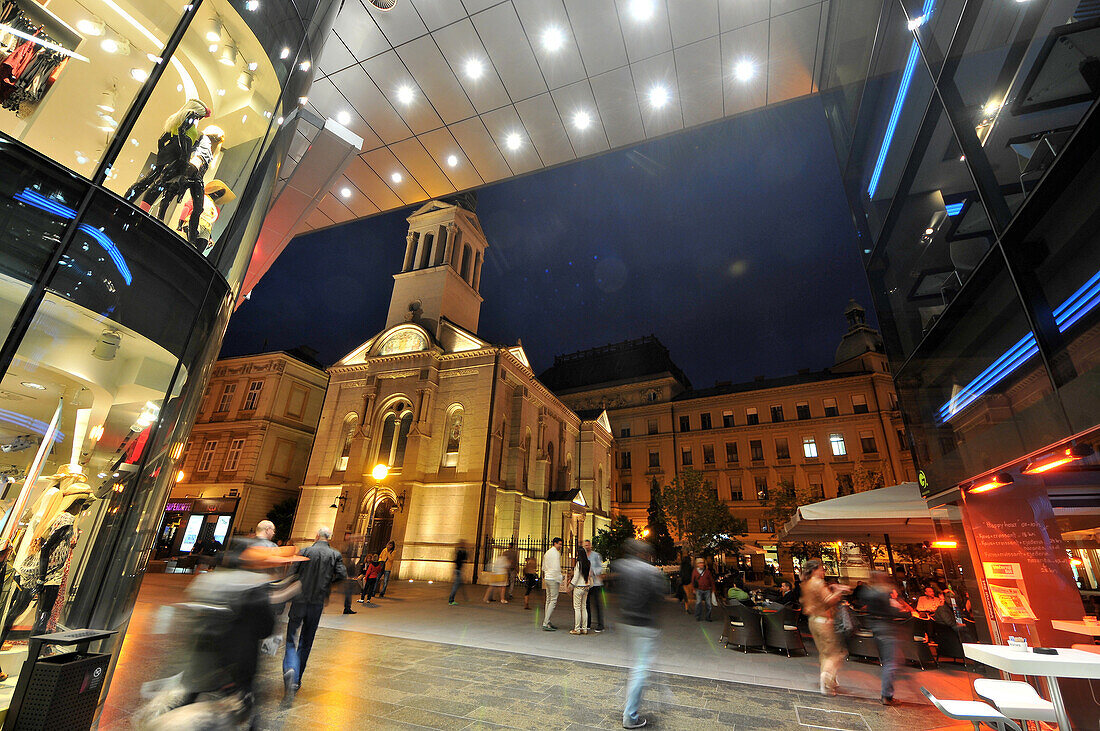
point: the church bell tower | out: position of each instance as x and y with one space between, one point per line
441 273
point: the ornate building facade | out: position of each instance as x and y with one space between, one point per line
479 451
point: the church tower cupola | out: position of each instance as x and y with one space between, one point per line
441 273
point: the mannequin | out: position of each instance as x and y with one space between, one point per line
173 150
217 195
191 178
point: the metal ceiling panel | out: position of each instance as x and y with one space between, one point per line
329 102
699 75
438 13
318 220
385 165
476 6
372 186
650 74
400 24
336 211
481 149
357 202
436 80
540 117
357 87
559 67
504 122
792 49
692 20
441 144
578 98
502 34
334 56
782 7
390 75
645 38
749 43
596 29
460 44
735 14
357 29
414 158
618 106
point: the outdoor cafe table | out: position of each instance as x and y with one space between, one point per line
1066 664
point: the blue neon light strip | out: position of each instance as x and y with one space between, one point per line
26 422
955 209
1066 315
37 200
899 102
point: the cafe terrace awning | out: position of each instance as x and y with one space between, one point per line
898 511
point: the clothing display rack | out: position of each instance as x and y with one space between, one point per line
34 55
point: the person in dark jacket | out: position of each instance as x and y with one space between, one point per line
702 581
456 584
883 615
641 587
317 575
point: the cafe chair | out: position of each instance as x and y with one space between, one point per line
947 641
1015 699
914 646
743 628
781 630
975 712
861 643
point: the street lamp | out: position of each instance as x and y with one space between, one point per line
379 473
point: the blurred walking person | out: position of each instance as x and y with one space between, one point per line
818 603
513 564
387 559
580 584
498 578
702 581
595 593
317 575
351 583
551 581
530 579
641 587
456 583
884 614
686 595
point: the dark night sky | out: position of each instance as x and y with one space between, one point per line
732 243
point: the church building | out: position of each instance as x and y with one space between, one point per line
478 450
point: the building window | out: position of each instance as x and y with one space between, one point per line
708 454
836 441
809 447
901 440
252 398
817 487
654 459
624 432
395 433
844 485
867 442
651 426
653 396
761 488
452 437
233 456
731 452
704 421
765 525
685 456
350 422
802 410
777 414
735 489
751 417
624 493
830 407
207 455
756 450
227 397
893 401
782 448
727 418
296 402
624 460
685 423
859 404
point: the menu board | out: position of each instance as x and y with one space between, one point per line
1011 604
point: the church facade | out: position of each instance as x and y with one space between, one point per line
479 452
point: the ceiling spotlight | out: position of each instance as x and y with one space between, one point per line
285 53
252 65
252 5
405 94
303 100
582 120
642 10
916 22
474 68
345 192
81 158
992 483
1056 459
221 92
513 141
244 81
228 57
90 26
33 385
553 39
106 346
343 118
991 108
139 75
304 65
452 161
397 178
658 97
213 48
744 70
214 30
110 45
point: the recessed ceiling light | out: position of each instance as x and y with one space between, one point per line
252 5
452 160
90 26
474 68
343 118
658 96
35 386
304 65
744 69
396 177
139 75
553 38
110 45
642 10
582 120
221 92
285 53
513 141
405 94
345 192
214 30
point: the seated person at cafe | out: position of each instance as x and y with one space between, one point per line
900 603
789 595
855 599
737 592
930 601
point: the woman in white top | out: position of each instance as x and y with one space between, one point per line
581 582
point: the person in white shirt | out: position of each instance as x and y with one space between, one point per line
595 593
551 580
581 583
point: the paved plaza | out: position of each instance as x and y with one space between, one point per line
414 662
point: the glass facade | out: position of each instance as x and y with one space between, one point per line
139 145
967 137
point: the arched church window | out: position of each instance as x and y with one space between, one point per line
452 436
347 433
467 259
526 457
395 433
550 467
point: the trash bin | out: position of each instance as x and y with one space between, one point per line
60 691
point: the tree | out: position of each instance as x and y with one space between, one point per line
282 515
609 541
703 523
864 479
779 507
656 531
